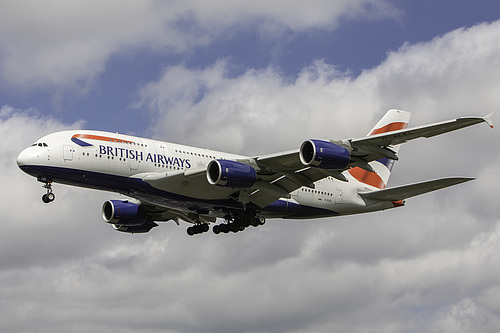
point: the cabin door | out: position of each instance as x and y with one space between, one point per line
68 153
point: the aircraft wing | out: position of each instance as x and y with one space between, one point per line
408 191
402 136
373 147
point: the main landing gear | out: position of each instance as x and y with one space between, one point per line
197 229
233 223
238 222
49 196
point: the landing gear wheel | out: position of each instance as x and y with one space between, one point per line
233 227
49 197
198 229
224 228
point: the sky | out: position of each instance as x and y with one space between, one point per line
253 78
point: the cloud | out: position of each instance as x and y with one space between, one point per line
63 46
431 266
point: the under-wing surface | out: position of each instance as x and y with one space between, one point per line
166 181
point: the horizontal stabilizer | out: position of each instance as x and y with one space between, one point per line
408 191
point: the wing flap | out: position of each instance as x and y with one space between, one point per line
408 191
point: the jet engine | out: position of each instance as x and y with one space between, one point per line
123 213
230 174
324 155
127 217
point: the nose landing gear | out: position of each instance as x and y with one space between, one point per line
49 196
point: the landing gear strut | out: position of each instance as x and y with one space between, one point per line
239 222
49 196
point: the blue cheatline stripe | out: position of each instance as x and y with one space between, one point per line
80 142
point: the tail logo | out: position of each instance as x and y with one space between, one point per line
372 178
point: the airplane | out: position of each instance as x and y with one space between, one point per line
167 181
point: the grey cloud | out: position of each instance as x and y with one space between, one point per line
64 47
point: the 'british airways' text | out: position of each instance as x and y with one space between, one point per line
133 154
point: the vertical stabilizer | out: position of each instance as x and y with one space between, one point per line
393 120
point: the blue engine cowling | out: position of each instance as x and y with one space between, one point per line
230 174
324 155
123 213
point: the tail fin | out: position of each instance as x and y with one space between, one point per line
393 120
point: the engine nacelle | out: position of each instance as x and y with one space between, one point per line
324 155
230 174
123 213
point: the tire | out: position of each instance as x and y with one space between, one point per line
49 197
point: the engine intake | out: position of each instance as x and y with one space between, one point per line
230 174
123 213
324 155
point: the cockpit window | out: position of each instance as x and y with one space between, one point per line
39 144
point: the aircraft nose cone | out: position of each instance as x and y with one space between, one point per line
25 158
21 158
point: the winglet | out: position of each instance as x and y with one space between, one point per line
489 119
